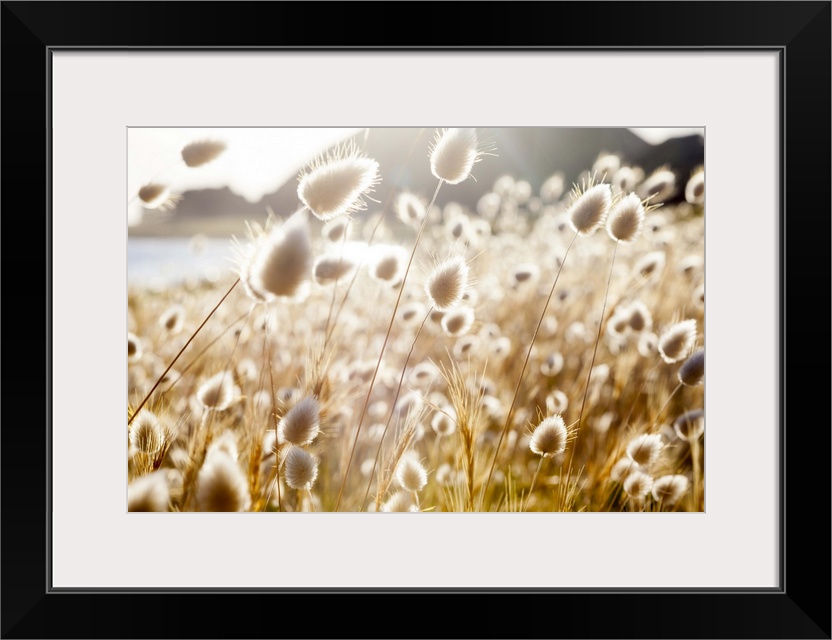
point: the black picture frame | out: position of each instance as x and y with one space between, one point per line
799 608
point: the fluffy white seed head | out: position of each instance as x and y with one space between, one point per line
279 264
645 449
388 264
454 154
625 219
444 421
300 469
411 314
692 371
677 341
670 489
552 365
202 152
648 344
225 444
525 274
149 493
623 468
458 322
158 196
146 433
446 284
218 392
638 484
173 319
606 165
134 347
549 437
695 188
335 185
337 230
651 264
557 401
332 267
589 208
639 317
221 485
400 502
410 208
302 423
410 474
552 189
659 186
690 425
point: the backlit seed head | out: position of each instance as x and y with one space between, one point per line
458 322
639 317
458 227
552 189
225 444
645 449
146 433
525 274
337 230
411 314
278 264
690 426
410 208
173 319
638 484
670 489
446 284
651 264
466 346
625 179
410 474
552 365
444 421
218 392
388 264
158 196
648 344
695 188
623 468
400 502
221 485
659 186
149 493
556 402
606 165
302 423
677 341
332 267
692 371
300 469
549 437
589 208
625 219
336 184
134 348
199 153
453 154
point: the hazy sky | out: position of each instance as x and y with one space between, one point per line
257 161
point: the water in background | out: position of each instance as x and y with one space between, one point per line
161 262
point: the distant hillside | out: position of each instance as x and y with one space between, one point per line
532 154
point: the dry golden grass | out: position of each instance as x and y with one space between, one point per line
379 378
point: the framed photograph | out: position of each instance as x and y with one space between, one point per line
462 275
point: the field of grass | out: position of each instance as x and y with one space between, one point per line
542 350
